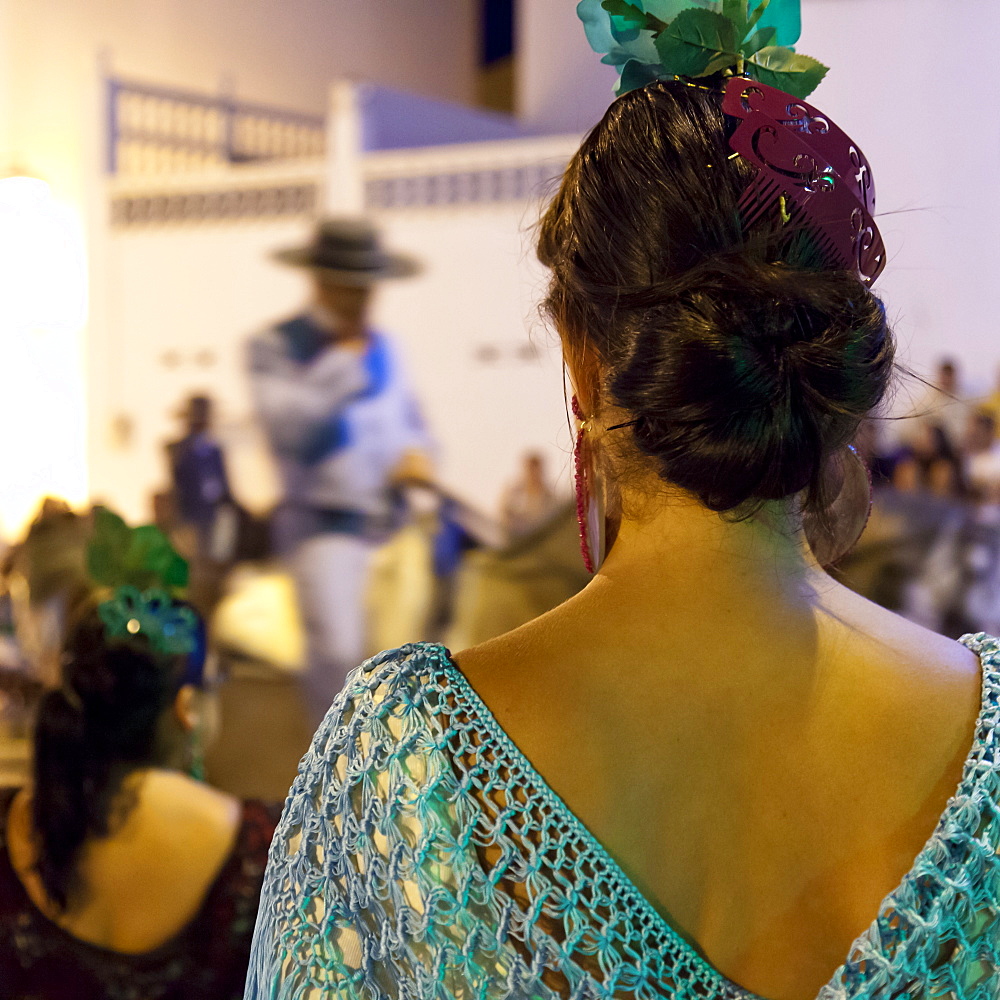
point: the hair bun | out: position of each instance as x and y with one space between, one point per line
746 376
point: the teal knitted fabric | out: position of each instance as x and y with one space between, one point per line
421 856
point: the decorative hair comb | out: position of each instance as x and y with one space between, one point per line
816 173
811 174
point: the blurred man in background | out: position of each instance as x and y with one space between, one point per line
198 473
347 435
529 502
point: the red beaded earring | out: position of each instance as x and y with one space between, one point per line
589 495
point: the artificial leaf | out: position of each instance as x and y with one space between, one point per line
108 545
155 559
596 25
779 67
667 10
757 14
758 40
693 40
633 15
784 15
635 75
722 61
141 557
736 11
678 58
642 49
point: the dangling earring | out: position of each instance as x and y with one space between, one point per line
590 501
196 754
833 532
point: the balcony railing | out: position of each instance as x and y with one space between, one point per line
154 130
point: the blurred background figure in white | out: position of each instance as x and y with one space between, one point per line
346 435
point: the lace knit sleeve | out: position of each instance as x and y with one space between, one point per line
371 888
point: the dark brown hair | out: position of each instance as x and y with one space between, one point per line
745 361
103 723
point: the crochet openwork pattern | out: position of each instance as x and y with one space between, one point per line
421 856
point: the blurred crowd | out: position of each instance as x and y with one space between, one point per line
932 547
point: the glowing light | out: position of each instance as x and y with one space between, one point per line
42 266
43 307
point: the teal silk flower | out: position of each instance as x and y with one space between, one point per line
169 628
655 39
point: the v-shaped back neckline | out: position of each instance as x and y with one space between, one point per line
477 711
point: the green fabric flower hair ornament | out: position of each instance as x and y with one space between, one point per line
145 574
658 39
169 628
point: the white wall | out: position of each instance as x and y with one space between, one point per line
911 81
561 85
479 293
282 52
182 302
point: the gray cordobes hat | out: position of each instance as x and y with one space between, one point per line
348 251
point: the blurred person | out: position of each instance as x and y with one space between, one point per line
529 501
198 475
122 874
715 764
932 464
45 575
982 457
940 405
991 404
203 515
347 435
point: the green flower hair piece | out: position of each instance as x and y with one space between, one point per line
142 557
169 628
659 39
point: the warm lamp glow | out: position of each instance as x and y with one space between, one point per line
42 266
43 305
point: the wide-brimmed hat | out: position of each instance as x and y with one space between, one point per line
348 251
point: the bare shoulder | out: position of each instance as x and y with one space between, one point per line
498 668
177 828
928 657
190 809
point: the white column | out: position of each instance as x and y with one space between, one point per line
344 187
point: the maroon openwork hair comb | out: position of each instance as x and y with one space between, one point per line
811 172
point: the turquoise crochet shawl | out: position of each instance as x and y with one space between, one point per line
421 856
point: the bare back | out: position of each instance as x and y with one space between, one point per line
146 881
765 772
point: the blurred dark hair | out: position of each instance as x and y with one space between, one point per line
103 723
746 362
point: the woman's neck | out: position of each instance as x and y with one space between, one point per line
702 558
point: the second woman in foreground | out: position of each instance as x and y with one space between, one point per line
715 772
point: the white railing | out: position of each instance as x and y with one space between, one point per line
478 173
220 163
236 194
156 130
